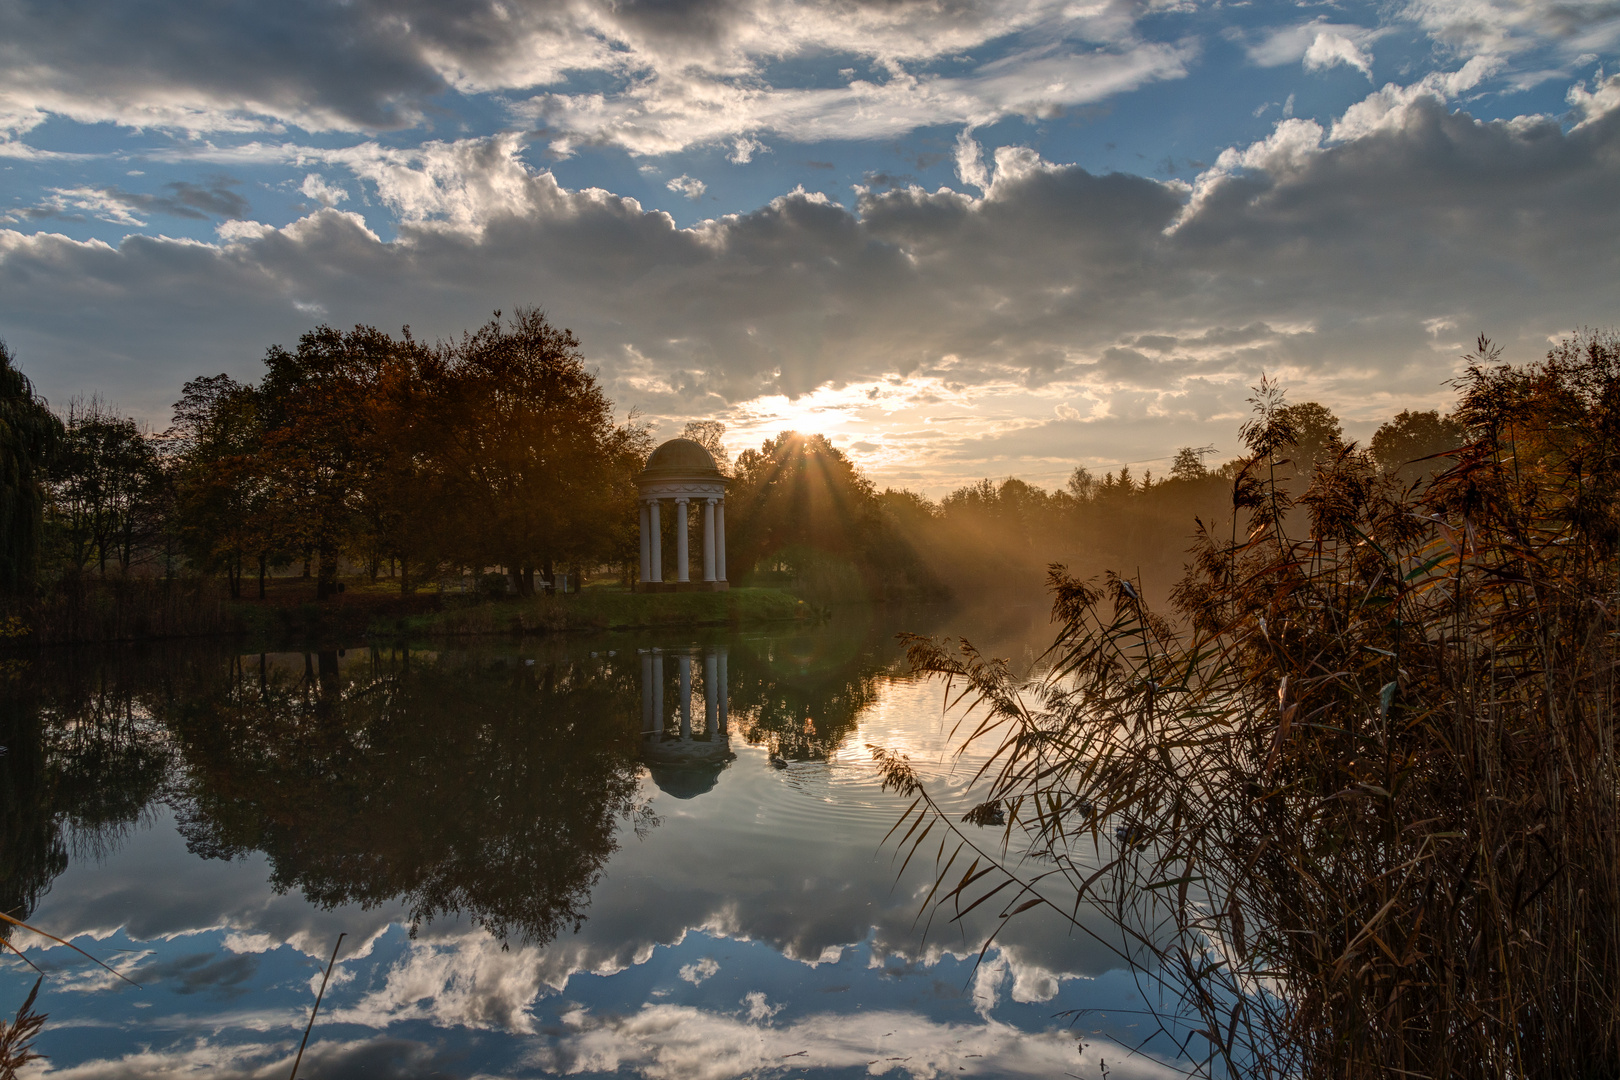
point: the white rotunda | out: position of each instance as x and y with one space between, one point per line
683 472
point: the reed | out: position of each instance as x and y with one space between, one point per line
17 1037
1353 801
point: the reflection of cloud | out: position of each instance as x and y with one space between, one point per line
673 1041
373 1059
467 980
703 969
196 972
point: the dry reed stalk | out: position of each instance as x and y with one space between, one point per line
1358 809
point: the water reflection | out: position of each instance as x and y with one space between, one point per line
685 762
400 795
452 782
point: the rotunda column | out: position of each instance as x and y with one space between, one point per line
646 548
657 538
683 557
720 539
708 539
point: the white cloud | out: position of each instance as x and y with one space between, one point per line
970 161
1329 50
691 187
744 148
1317 44
316 187
679 110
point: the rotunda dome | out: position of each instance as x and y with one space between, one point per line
681 459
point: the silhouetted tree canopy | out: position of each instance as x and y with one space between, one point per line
29 432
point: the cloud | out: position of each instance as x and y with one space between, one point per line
1317 44
316 187
744 148
681 109
1329 50
689 186
375 66
970 161
1342 238
1571 27
115 205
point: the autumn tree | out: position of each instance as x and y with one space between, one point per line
315 437
541 472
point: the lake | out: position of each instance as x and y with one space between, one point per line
632 854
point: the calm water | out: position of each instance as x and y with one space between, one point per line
543 864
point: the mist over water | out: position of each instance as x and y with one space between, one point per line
534 879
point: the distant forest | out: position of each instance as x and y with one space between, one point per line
362 454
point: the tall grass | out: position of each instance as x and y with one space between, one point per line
1354 802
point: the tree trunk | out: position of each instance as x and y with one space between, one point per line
263 566
551 577
326 582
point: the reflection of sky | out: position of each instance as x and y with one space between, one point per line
759 927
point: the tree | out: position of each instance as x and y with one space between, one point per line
541 472
1312 430
29 432
223 505
797 496
106 482
1401 445
709 435
1082 485
315 435
1188 465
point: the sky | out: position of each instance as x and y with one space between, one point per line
963 238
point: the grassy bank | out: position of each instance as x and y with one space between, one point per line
597 610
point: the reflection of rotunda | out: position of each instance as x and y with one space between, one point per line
685 762
682 471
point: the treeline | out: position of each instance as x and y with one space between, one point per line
804 512
355 449
365 453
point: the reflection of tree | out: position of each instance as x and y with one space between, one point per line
456 785
800 694
82 760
